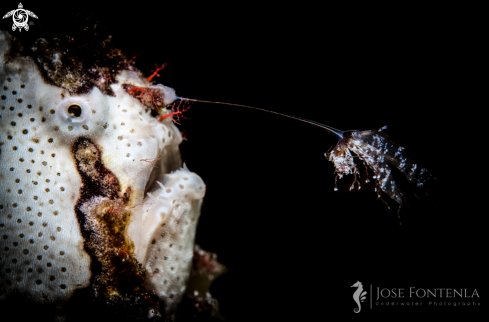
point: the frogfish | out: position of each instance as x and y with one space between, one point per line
96 206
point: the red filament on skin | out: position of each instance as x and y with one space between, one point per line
134 90
134 57
156 72
139 204
116 210
176 112
124 251
152 161
151 97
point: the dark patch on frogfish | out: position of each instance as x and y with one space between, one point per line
150 97
76 57
117 277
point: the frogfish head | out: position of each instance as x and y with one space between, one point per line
93 194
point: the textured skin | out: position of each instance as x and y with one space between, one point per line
43 254
38 191
162 229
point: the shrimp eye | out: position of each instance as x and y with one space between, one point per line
74 110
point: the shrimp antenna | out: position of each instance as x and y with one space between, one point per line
335 132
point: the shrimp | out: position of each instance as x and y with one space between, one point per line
372 147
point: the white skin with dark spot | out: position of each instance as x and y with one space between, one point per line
42 252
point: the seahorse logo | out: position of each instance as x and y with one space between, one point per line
358 296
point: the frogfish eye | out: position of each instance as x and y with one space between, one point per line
74 110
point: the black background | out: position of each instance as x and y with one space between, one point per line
292 245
